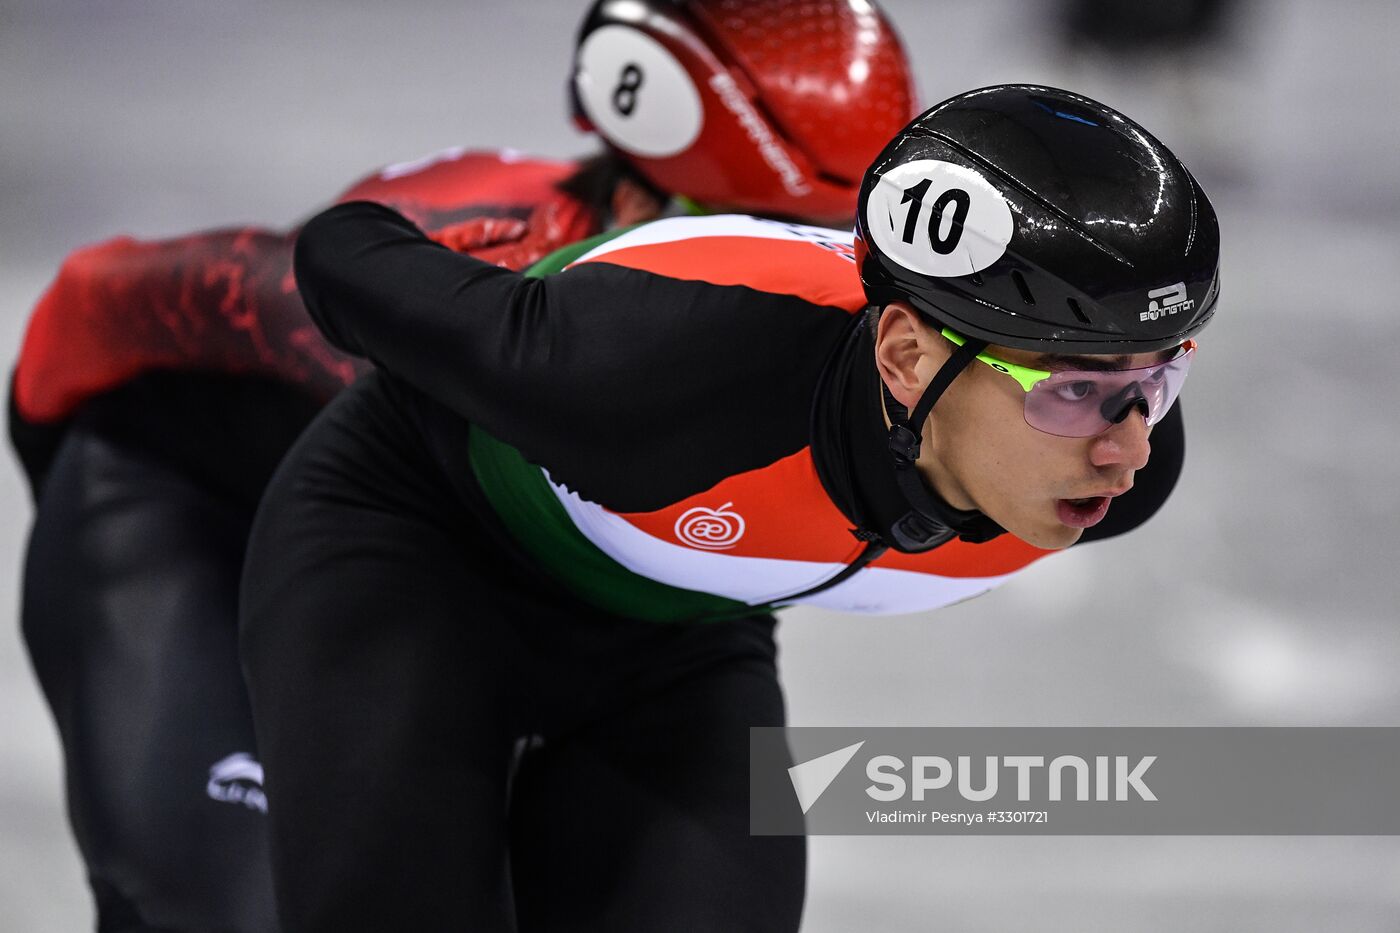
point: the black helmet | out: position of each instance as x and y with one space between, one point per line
1035 218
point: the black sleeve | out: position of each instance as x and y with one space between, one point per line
36 445
1152 484
633 389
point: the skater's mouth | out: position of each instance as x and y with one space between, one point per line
1086 511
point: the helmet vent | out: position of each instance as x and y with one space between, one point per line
1023 288
1078 312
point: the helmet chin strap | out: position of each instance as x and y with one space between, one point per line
931 521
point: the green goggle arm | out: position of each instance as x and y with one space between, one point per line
1027 377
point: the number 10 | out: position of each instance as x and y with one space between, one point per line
957 197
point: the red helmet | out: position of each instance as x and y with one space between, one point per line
771 106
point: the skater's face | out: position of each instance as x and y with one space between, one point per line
979 452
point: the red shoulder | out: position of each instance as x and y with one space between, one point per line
455 183
219 300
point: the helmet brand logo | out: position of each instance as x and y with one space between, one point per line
757 129
710 529
1173 299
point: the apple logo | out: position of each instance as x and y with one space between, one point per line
710 529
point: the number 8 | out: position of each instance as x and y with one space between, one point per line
625 94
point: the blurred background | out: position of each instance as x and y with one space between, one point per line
1265 594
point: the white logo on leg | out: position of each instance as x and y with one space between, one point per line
237 779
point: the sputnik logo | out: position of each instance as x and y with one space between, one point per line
811 778
710 529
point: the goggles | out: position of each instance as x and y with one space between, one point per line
1083 403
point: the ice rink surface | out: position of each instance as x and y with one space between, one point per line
1265 593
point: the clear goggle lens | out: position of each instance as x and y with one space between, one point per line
1085 403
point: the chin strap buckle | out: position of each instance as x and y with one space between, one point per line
914 533
904 444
